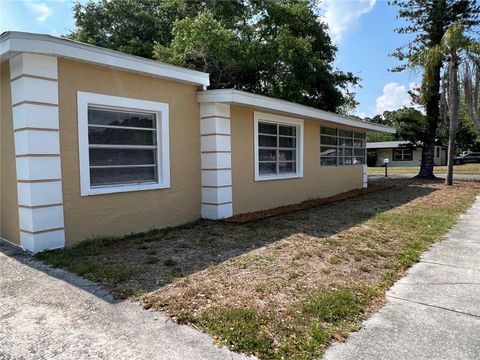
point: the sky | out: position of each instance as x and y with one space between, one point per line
363 31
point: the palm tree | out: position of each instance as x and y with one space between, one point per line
462 56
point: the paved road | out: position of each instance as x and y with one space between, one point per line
434 311
411 175
51 314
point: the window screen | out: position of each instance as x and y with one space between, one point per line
122 147
277 149
341 147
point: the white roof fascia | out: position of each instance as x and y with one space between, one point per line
388 144
12 43
237 97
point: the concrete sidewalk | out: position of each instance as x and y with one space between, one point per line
52 314
434 311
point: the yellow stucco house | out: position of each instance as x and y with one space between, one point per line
96 142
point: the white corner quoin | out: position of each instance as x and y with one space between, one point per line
216 161
34 87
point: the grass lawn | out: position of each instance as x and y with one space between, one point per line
282 287
457 169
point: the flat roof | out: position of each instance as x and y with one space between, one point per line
14 42
264 103
396 144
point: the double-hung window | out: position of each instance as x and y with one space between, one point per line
342 147
278 147
123 144
403 154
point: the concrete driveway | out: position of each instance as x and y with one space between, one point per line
52 314
432 313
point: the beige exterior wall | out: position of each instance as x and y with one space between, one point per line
388 154
317 181
119 213
9 229
441 159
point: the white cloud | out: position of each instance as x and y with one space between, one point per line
41 11
394 96
342 15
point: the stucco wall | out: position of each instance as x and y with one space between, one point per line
441 159
317 182
388 154
9 229
115 214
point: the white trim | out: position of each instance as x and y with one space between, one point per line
259 102
213 109
216 159
217 177
13 42
365 176
277 119
215 125
161 110
40 193
38 168
217 211
37 133
41 219
220 195
215 143
33 89
33 64
35 116
48 240
36 142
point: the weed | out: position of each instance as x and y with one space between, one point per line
365 268
170 262
241 329
335 259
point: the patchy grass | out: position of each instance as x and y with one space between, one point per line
282 287
470 169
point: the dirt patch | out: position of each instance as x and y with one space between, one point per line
308 204
278 287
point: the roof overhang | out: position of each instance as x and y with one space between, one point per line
13 43
264 103
390 145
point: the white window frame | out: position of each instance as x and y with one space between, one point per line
84 100
277 119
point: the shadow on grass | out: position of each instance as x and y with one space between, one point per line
145 262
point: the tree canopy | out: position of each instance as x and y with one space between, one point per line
427 22
409 122
270 47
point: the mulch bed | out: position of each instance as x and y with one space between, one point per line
262 214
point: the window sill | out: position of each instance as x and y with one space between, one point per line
278 177
123 188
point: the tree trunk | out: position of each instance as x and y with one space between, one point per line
453 105
432 103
